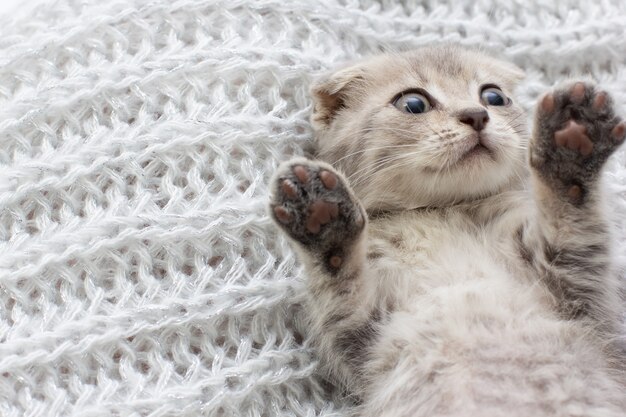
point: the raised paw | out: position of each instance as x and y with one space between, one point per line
576 130
314 205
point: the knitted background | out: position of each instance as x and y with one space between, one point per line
139 273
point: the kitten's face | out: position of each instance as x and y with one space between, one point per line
424 128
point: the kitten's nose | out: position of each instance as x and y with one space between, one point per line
477 118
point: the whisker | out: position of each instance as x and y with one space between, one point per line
379 168
376 148
371 169
367 171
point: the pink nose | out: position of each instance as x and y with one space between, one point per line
477 118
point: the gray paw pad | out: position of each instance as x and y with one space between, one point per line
576 131
314 206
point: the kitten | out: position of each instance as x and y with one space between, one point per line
458 266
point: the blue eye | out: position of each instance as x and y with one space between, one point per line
412 103
493 96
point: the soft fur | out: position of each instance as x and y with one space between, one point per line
444 283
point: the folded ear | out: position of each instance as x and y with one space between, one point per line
330 93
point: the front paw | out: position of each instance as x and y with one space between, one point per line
576 130
313 204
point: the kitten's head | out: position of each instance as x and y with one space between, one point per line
429 127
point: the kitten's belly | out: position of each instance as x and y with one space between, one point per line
470 325
456 280
426 252
457 287
479 345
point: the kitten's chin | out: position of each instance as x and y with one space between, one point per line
477 167
475 147
479 174
464 187
475 154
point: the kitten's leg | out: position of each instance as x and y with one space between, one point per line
576 130
313 204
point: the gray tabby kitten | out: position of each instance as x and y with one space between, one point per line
458 266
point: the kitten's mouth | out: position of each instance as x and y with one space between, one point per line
478 150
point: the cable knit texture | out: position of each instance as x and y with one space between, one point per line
139 272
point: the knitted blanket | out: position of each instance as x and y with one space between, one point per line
139 272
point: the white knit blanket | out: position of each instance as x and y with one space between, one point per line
139 273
